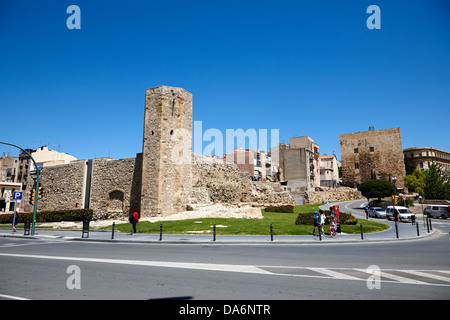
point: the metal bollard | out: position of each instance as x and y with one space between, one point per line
396 229
362 234
112 232
431 227
85 233
417 226
160 232
214 232
320 234
428 226
26 228
271 232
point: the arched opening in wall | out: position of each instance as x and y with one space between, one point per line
115 201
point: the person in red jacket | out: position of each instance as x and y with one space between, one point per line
134 219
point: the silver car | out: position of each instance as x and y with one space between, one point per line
377 212
437 211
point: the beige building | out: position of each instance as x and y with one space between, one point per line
422 157
329 173
45 157
299 163
256 162
370 152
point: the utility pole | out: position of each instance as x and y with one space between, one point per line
38 170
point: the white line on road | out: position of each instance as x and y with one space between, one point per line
334 274
12 297
184 265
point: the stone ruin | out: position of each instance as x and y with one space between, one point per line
155 183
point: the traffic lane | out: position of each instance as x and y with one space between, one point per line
44 279
418 254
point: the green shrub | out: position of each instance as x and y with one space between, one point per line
52 216
285 209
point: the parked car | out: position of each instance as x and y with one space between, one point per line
437 211
404 214
377 212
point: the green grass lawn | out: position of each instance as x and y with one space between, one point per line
283 224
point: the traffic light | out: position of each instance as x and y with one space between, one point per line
40 192
32 195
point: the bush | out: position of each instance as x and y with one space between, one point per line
51 216
285 209
308 218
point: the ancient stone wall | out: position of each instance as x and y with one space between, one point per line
223 183
63 185
115 187
332 194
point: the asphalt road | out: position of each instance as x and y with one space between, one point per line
58 269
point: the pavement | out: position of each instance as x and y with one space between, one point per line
406 231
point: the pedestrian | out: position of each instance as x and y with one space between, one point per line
15 220
366 210
134 219
332 225
316 222
321 221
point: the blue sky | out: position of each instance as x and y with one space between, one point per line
303 67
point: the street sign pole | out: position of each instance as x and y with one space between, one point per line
37 183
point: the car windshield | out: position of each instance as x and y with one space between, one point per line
404 211
379 209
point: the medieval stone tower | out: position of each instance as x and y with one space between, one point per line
166 151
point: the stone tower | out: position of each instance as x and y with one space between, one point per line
166 151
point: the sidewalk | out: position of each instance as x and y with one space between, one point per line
406 231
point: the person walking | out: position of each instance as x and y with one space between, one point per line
15 220
134 219
316 222
332 225
321 221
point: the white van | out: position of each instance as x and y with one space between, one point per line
437 211
404 214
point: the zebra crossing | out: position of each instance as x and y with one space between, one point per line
414 277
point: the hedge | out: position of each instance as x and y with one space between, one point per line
285 209
51 216
308 218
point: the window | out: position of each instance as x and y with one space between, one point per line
356 165
355 150
372 149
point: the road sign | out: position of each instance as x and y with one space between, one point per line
17 195
404 196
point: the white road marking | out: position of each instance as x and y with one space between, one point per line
12 297
184 265
428 275
334 274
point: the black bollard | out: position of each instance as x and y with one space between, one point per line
417 226
431 227
26 228
160 232
428 226
271 232
320 234
362 234
396 229
112 233
214 232
85 233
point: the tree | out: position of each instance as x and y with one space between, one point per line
437 185
416 181
376 189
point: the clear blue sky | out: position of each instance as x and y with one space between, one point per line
303 67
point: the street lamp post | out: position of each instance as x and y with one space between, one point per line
38 170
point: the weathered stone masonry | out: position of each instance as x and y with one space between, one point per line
162 180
